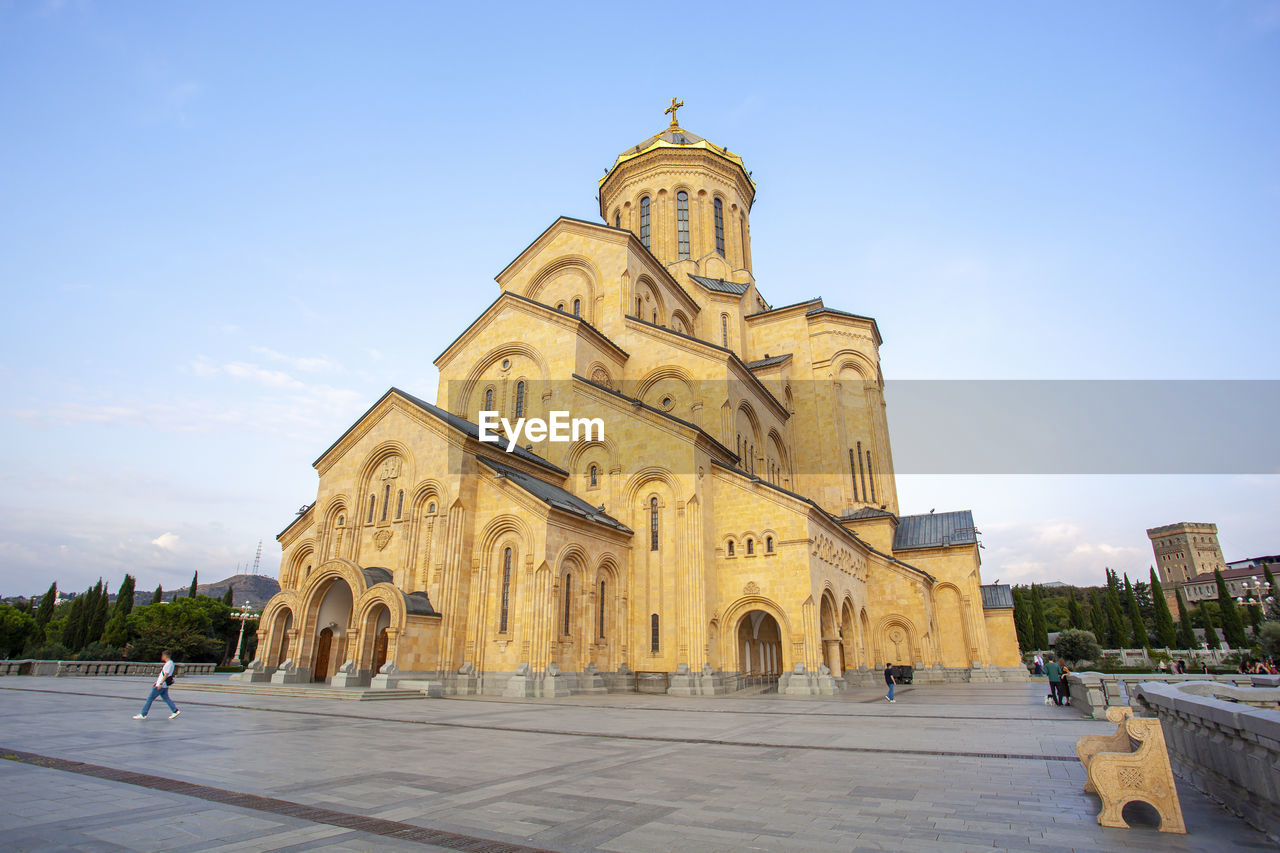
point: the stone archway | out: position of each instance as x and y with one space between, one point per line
332 614
759 641
376 625
832 647
278 652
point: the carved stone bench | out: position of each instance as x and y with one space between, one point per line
1131 765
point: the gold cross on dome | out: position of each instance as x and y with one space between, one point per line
675 105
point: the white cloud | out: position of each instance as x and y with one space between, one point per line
167 541
303 363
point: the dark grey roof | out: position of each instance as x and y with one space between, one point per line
866 512
419 604
784 307
996 596
459 423
555 496
720 285
769 361
301 515
935 530
376 574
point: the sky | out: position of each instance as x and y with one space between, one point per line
227 228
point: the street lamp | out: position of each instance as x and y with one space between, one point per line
243 615
1256 594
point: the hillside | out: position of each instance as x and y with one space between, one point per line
255 589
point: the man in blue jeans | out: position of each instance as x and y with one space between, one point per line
889 680
161 688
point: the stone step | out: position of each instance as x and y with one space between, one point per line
355 694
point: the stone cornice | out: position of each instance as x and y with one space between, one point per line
656 159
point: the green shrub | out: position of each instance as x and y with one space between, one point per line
1075 645
48 651
100 651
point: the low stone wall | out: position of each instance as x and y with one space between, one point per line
1093 692
1222 744
62 668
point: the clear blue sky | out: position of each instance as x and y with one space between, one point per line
227 228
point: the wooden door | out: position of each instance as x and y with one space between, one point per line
379 650
321 670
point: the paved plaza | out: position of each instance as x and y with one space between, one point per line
958 767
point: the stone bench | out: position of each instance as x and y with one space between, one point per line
1131 765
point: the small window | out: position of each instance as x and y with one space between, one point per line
342 519
644 221
682 224
568 599
655 316
617 219
594 476
653 634
653 524
386 500
488 399
731 554
638 306
577 307
751 547
506 590
400 504
431 508
719 212
560 307
768 544
724 330
601 609
520 399
373 503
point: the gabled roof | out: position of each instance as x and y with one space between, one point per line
780 308
600 336
768 361
461 424
302 513
555 497
720 285
935 530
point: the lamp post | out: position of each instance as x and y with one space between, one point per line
243 615
1256 594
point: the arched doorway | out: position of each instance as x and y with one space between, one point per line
832 649
376 626
952 639
324 644
759 646
283 624
848 645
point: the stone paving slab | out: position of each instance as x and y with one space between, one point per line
616 772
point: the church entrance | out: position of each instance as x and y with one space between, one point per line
759 647
380 650
323 644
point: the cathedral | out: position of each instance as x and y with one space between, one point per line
732 520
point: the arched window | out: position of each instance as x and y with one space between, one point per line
568 599
655 316
638 306
386 500
768 544
653 524
431 508
600 607
751 547
577 307
731 553
871 477
520 399
653 634
488 399
342 519
644 221
506 590
594 476
742 229
617 219
724 330
719 211
373 503
560 306
400 504
682 224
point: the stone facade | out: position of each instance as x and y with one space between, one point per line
738 517
1185 550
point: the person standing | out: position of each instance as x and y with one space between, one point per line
1054 672
890 681
1039 662
161 688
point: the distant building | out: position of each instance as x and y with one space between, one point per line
1185 550
1205 587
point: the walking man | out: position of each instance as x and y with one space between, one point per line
161 688
1054 672
889 680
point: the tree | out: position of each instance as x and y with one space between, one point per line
158 595
1146 606
73 629
1022 620
1116 635
1075 645
1039 633
1270 639
228 595
195 582
117 630
17 628
124 597
1097 618
50 600
1232 627
193 629
1164 619
1074 617
1137 628
1210 635
1272 591
96 612
1186 635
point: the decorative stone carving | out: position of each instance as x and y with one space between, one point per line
752 588
553 669
388 668
287 666
707 670
347 666
467 668
522 669
390 468
381 538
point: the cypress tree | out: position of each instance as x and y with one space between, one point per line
1186 635
158 595
1115 619
50 600
1271 589
1074 617
97 621
195 581
1137 628
1210 635
1097 619
1164 619
1039 632
1022 620
73 630
1232 627
229 595
124 597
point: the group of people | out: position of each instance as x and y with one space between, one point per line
1259 667
1059 689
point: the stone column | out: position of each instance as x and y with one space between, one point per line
833 658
